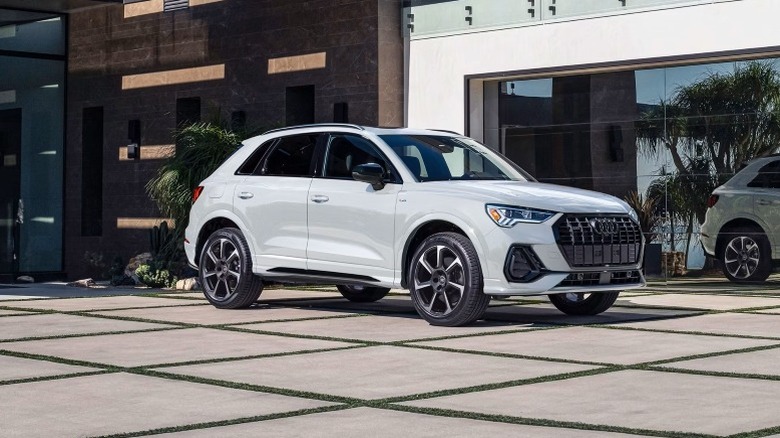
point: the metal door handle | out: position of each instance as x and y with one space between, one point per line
319 199
764 202
246 195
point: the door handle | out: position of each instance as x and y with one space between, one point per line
246 195
764 202
320 199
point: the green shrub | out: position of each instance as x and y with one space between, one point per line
155 276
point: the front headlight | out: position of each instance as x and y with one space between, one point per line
632 214
507 217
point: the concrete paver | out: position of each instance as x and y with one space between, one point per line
745 324
210 315
15 368
756 362
122 403
97 303
16 327
381 328
377 372
170 346
380 423
774 311
708 302
635 399
600 345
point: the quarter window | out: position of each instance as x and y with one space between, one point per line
768 177
291 156
250 165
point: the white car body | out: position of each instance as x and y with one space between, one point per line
744 202
319 228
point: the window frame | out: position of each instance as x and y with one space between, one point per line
261 150
392 177
279 140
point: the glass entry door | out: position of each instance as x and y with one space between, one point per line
10 175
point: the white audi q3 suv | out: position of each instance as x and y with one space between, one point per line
434 212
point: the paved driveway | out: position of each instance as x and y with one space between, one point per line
682 358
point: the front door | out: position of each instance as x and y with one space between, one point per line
351 225
10 177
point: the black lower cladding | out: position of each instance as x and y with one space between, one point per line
523 265
601 278
599 240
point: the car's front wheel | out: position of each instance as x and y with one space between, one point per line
363 294
579 303
445 280
225 271
746 257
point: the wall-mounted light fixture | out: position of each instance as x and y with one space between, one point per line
134 139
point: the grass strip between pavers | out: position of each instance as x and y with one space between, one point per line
222 423
84 335
52 377
683 332
451 413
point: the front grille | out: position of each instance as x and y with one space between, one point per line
599 240
601 278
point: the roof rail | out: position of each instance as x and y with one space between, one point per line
317 125
446 130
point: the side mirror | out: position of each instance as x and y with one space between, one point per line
371 173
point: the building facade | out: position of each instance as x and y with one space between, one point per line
614 96
132 73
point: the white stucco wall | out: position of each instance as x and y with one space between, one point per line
438 66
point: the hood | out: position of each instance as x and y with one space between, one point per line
541 196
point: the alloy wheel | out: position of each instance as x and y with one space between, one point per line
439 280
742 257
222 269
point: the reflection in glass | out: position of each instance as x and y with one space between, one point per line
661 138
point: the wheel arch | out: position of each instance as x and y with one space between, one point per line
731 226
209 227
431 226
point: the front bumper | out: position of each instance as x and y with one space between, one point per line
555 273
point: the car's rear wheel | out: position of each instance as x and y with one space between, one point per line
746 256
580 303
226 271
445 280
363 294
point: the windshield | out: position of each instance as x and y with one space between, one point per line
442 158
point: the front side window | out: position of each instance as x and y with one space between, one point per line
291 156
347 151
768 177
441 158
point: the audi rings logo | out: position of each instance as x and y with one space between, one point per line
605 227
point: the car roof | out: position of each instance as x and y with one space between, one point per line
372 129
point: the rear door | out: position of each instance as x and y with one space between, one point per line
273 203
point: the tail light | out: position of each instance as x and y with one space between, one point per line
712 201
196 193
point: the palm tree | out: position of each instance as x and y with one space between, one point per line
200 149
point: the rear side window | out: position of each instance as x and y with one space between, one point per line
250 165
768 177
291 156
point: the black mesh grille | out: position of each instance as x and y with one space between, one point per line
172 5
599 278
588 241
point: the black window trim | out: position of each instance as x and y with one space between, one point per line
312 166
759 181
271 143
325 151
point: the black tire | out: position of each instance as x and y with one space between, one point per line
578 304
450 292
363 294
225 271
745 256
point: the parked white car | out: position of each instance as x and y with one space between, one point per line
742 226
434 212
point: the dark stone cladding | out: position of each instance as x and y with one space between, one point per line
364 46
